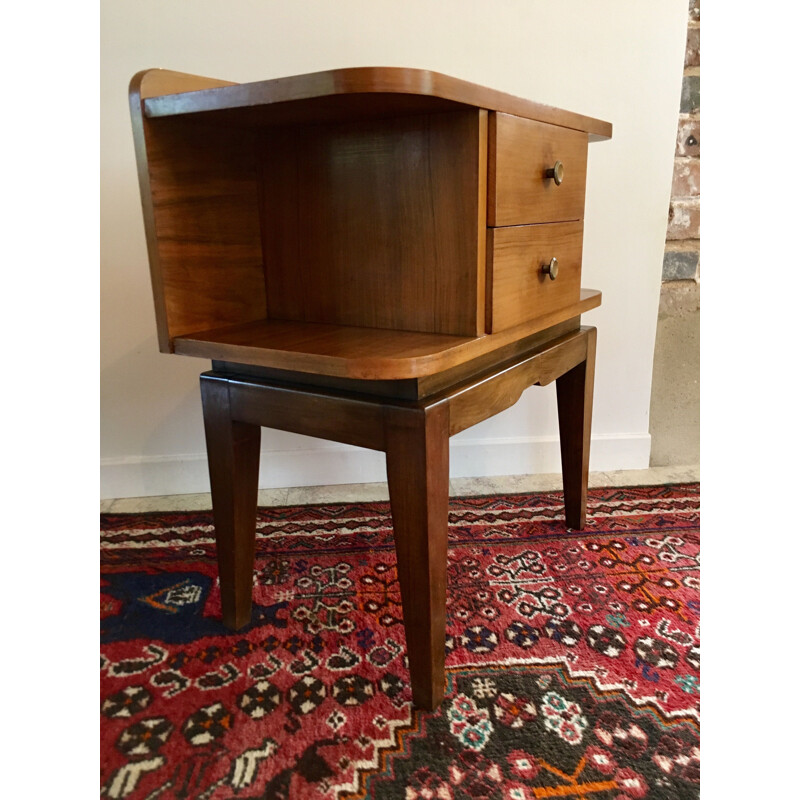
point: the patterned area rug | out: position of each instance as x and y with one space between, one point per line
572 658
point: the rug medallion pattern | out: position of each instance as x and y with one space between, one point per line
572 657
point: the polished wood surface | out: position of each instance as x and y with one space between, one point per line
404 388
575 392
519 291
366 353
499 390
429 385
359 253
520 153
233 449
377 223
252 225
149 83
341 93
308 412
415 437
200 202
417 469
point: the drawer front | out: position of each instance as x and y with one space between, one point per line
521 152
517 288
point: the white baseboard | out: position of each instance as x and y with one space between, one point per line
328 464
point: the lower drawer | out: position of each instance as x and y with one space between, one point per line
517 288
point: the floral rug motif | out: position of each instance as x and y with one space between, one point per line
572 657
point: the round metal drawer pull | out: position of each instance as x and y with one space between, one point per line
551 269
556 173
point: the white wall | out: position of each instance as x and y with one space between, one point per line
619 60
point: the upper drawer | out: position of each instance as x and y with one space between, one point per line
521 152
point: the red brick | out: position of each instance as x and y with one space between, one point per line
686 177
688 136
684 219
692 48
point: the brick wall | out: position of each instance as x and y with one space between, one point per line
682 251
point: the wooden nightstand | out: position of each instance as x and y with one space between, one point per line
377 256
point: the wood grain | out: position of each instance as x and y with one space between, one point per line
520 153
334 226
341 93
148 83
430 385
306 411
200 205
501 389
417 468
518 290
364 353
233 449
415 437
404 389
377 223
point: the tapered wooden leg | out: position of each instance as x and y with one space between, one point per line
417 465
575 390
233 454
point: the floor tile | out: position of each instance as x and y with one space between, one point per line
372 492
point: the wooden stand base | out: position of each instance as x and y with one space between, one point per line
413 429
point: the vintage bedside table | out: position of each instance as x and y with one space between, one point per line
377 256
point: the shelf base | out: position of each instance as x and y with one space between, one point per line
361 353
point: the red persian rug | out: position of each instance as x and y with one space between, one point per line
572 658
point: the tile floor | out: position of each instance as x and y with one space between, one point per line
378 491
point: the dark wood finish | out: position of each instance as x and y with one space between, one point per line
377 223
483 166
359 91
233 450
415 436
520 153
519 290
324 415
417 467
575 390
500 389
364 353
405 389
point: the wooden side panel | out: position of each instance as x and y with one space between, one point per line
520 153
519 290
205 205
200 204
376 223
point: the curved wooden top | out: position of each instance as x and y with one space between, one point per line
366 353
323 95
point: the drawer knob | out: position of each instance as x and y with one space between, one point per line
551 269
556 172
